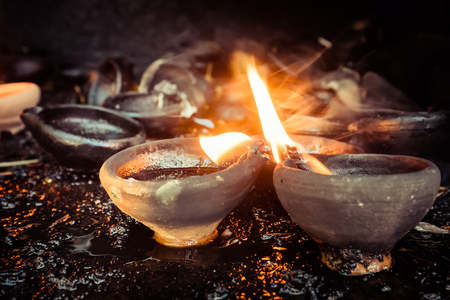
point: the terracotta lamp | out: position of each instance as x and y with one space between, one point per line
358 213
174 188
15 97
82 137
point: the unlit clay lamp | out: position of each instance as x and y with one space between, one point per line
358 213
419 134
114 76
174 188
322 145
170 92
15 97
157 120
82 137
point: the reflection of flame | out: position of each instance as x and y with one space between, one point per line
273 130
228 143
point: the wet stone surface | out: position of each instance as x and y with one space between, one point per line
61 237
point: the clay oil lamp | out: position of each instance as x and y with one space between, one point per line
320 145
317 145
15 97
170 92
355 206
177 74
158 115
358 213
114 76
82 137
421 134
176 189
316 126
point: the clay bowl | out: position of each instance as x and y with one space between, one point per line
317 145
358 214
419 134
114 76
82 137
324 146
314 126
15 97
173 187
143 107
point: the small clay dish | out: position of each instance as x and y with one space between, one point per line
317 145
114 76
15 97
419 134
173 187
358 214
324 146
157 121
82 137
315 126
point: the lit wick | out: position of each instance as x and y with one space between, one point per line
274 132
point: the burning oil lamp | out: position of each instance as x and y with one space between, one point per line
15 97
357 214
355 206
174 187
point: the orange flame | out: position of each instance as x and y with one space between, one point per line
274 132
226 145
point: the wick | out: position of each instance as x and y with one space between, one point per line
258 148
292 152
300 162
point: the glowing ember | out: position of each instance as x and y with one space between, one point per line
218 148
274 132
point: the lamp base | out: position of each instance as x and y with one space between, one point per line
357 264
180 243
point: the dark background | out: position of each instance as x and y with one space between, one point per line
407 42
87 31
